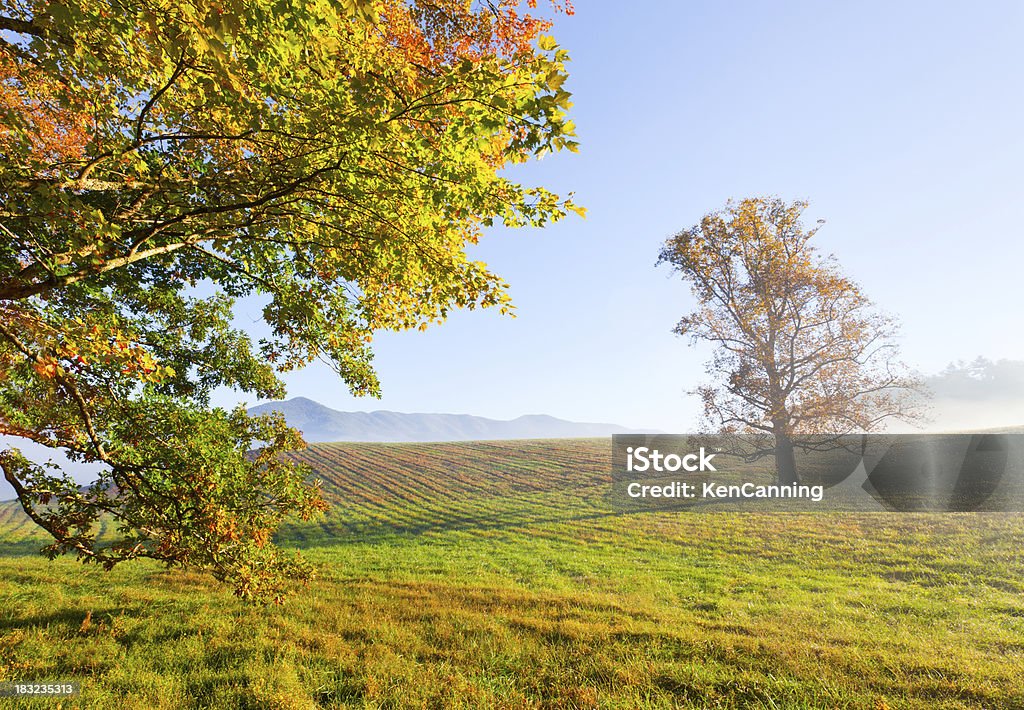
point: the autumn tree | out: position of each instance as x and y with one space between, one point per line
160 160
801 355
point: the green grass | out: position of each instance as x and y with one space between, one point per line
497 575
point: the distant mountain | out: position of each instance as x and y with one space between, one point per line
320 423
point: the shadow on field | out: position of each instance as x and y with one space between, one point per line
530 517
65 622
340 533
24 548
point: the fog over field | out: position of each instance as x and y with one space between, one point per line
978 395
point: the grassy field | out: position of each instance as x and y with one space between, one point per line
496 575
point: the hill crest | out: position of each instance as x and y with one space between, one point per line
319 423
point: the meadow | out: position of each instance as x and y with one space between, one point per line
496 574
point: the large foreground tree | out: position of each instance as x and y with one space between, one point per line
159 160
801 355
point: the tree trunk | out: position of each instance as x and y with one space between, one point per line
785 460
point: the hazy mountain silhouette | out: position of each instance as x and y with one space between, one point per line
320 423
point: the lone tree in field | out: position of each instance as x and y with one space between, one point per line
801 355
159 160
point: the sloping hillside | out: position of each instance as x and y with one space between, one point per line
496 574
384 489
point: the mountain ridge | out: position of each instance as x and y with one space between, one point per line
319 423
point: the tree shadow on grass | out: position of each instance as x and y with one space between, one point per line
61 623
23 548
338 532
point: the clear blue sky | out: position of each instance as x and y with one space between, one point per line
900 122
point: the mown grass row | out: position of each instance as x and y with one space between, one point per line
378 490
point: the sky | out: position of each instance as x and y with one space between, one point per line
900 123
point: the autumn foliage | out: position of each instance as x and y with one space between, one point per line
160 161
801 354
